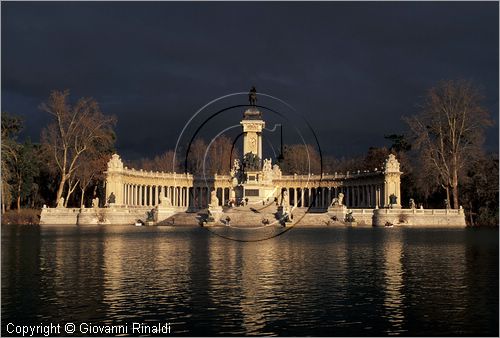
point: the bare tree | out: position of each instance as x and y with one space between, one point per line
11 126
74 131
90 170
196 156
449 131
165 162
220 155
301 159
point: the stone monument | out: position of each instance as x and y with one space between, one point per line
337 210
392 190
95 202
164 209
284 212
214 210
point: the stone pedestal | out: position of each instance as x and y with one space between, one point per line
214 215
163 212
89 216
338 212
284 215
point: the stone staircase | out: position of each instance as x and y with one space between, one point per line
183 218
251 216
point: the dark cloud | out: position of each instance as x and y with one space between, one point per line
353 68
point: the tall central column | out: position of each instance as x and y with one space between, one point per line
252 132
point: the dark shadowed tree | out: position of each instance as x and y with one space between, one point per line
196 156
90 172
399 144
342 164
220 155
449 131
300 159
24 168
11 126
480 191
375 158
74 130
165 162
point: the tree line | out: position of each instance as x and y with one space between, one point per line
442 157
66 167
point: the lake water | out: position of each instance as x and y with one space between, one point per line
308 281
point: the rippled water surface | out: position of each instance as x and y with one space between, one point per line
308 281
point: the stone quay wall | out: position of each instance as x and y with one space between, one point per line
363 217
419 217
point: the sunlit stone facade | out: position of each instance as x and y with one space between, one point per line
370 197
361 189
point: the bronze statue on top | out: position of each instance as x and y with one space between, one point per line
252 96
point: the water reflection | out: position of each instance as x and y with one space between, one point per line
319 281
394 297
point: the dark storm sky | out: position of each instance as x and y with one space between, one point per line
352 68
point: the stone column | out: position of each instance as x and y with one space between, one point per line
114 179
363 192
223 196
259 138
